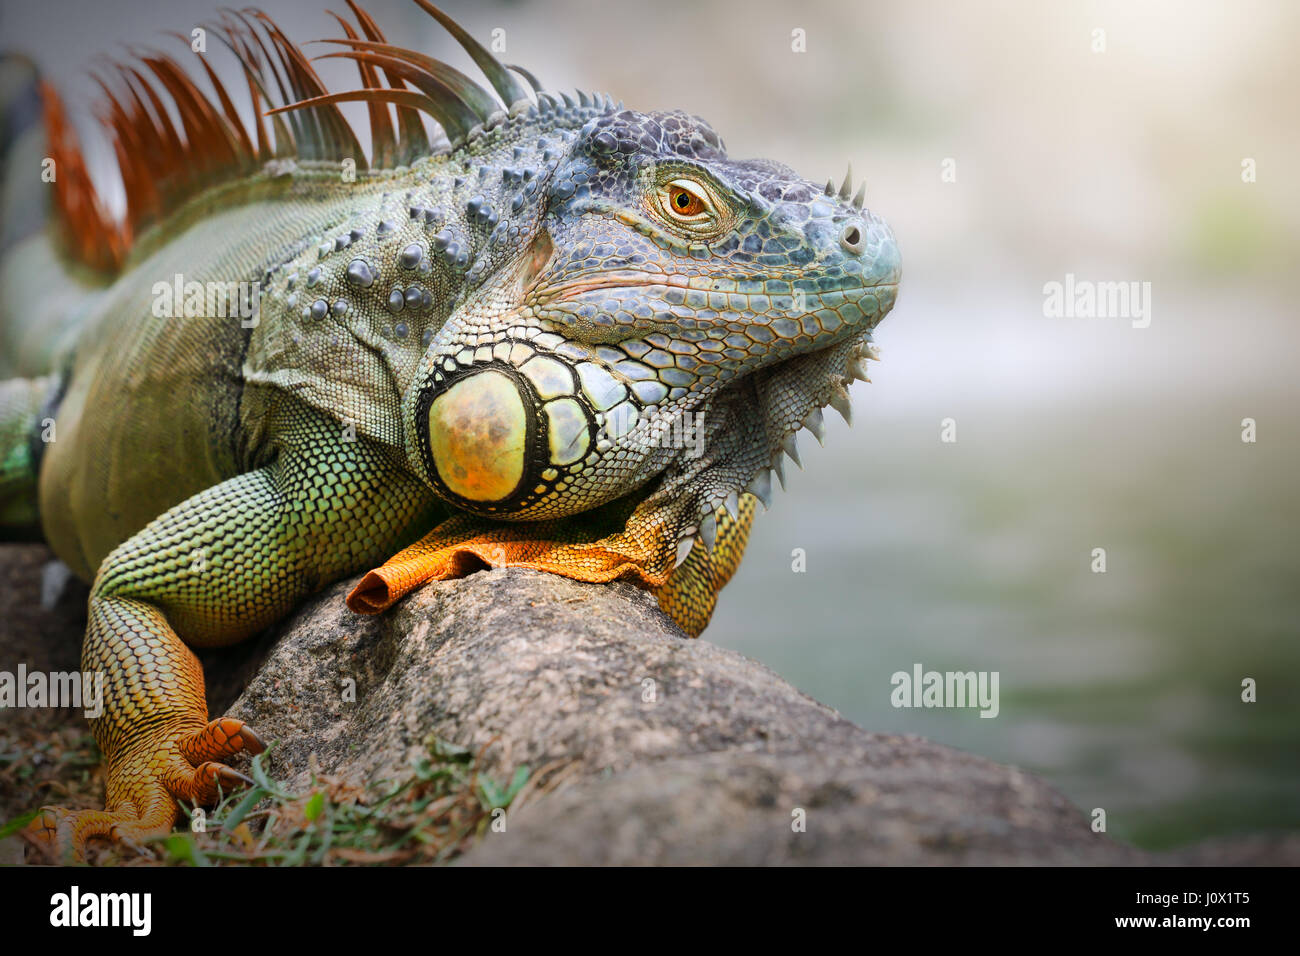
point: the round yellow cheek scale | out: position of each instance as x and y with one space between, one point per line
477 432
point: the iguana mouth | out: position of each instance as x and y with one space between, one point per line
572 289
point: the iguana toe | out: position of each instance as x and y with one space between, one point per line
221 739
144 783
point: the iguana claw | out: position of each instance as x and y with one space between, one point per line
144 783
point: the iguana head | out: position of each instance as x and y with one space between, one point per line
664 314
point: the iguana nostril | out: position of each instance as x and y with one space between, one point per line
851 239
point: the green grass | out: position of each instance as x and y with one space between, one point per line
436 813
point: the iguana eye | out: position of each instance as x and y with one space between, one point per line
683 202
686 202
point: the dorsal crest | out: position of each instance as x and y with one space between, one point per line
167 155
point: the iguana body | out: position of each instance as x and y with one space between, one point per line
493 344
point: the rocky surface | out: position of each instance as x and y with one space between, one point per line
666 750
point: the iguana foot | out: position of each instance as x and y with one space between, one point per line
145 781
644 551
464 544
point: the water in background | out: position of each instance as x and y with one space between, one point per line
1123 688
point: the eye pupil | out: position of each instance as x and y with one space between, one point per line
683 200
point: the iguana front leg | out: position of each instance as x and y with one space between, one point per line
218 567
620 541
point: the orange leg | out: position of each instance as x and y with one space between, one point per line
176 762
582 548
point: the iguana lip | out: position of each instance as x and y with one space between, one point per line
574 288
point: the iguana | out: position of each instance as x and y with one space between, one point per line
560 334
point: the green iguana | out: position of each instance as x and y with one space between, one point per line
560 334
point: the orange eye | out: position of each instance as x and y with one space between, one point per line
690 207
684 202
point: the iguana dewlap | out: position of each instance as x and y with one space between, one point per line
572 337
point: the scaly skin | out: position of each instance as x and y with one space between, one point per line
493 346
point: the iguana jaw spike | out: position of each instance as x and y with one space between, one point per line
816 424
841 403
778 466
791 447
709 531
732 503
760 486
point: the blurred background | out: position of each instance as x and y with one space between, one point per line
1113 155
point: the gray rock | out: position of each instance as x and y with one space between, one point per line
679 751
667 750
